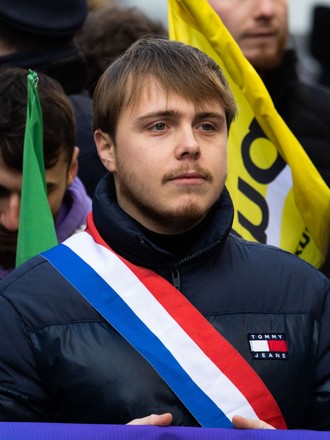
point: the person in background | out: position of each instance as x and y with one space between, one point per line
108 31
260 28
181 293
40 35
67 197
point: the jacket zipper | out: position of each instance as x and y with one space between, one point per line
175 273
176 278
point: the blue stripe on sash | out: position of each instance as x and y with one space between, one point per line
109 304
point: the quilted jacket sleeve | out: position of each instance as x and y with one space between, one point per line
319 417
21 394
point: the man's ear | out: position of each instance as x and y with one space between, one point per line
73 167
106 149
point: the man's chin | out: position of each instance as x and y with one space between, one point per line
183 220
266 61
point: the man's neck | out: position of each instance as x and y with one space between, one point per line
177 244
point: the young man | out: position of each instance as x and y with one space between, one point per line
157 314
67 197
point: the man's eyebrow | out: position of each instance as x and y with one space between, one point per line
212 115
159 114
172 113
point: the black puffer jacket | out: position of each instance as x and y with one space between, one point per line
60 361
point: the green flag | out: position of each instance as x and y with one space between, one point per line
36 231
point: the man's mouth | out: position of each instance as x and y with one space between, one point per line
186 176
260 35
189 178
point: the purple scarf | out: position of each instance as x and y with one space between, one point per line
73 212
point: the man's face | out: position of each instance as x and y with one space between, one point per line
169 159
260 27
57 179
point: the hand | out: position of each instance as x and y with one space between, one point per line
240 422
154 420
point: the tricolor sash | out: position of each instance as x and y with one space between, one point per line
206 373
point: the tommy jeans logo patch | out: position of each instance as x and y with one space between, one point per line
268 346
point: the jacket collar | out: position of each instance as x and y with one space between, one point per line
125 236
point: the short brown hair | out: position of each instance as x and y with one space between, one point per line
178 67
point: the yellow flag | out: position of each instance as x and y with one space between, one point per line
279 196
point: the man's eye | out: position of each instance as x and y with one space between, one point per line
160 126
207 127
50 189
4 192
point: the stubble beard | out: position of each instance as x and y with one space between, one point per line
270 61
169 221
267 63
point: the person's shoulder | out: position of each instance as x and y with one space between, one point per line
31 282
25 288
19 275
314 96
277 262
41 296
282 277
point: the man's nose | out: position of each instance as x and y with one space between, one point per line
188 145
10 214
264 7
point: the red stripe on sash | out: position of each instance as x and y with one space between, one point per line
209 340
